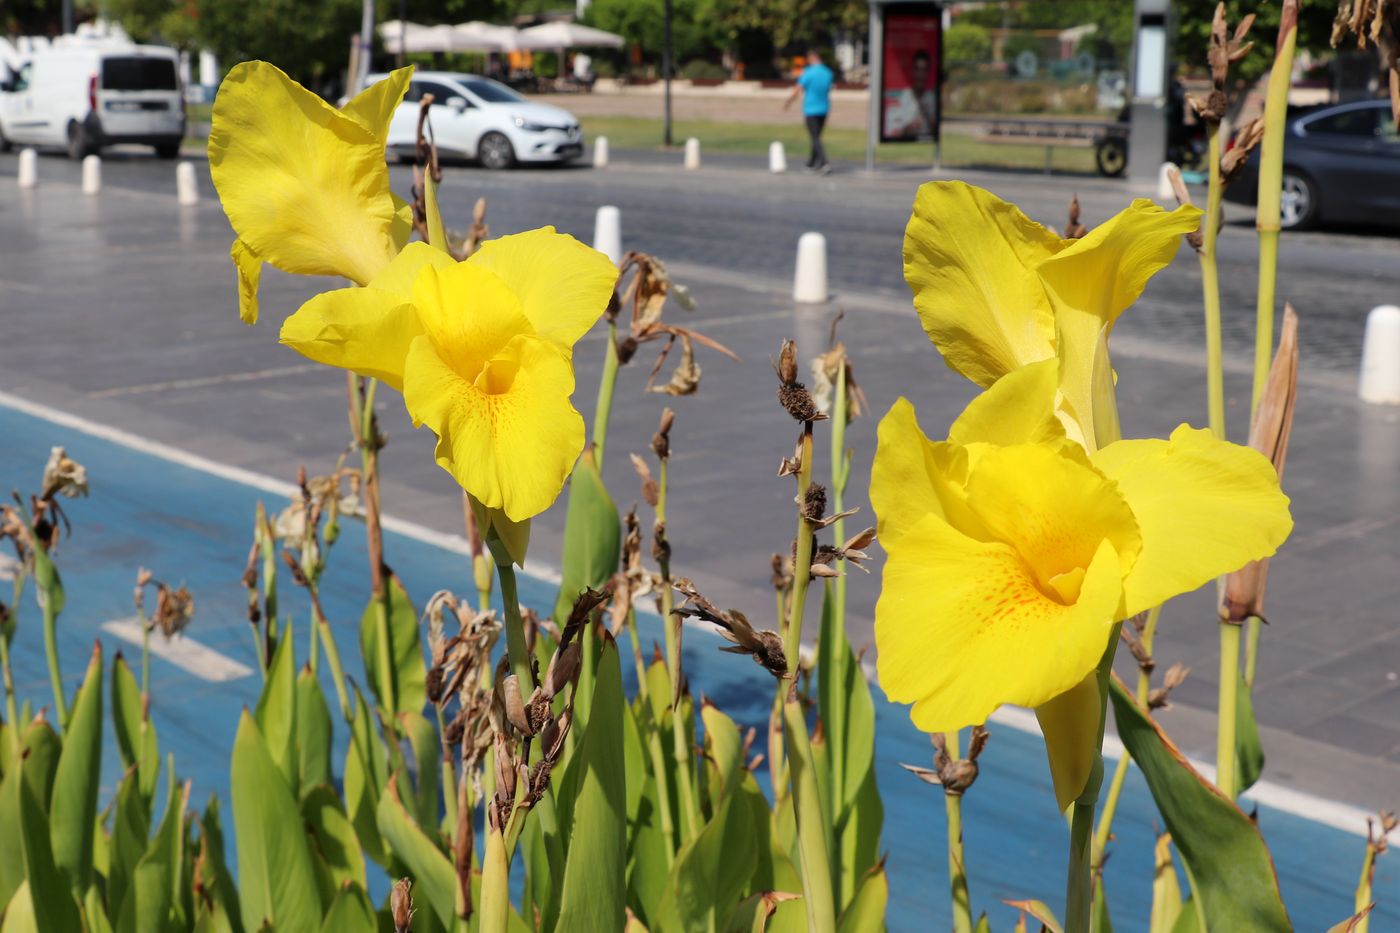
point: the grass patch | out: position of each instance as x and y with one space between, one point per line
842 144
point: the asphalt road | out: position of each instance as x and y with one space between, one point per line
121 308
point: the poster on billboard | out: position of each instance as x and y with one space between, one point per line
911 72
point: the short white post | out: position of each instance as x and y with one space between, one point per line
28 169
186 186
1165 191
1380 357
809 281
777 158
692 153
607 233
600 152
92 174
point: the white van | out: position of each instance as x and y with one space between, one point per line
84 98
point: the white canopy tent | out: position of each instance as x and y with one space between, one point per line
477 36
562 35
400 37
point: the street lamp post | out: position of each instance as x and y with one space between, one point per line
666 68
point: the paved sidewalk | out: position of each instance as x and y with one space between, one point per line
122 309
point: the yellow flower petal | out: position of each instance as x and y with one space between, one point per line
373 108
1206 507
366 330
1018 409
510 437
1070 723
469 313
962 627
1094 279
969 258
563 286
401 231
912 476
1054 509
305 186
249 268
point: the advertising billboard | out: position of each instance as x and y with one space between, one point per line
912 72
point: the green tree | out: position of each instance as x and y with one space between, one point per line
169 22
695 31
967 42
309 41
1194 16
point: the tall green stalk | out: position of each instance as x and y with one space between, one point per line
957 865
515 625
495 885
1210 287
603 411
49 596
1225 757
680 730
835 721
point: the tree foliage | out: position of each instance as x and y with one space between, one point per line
1314 32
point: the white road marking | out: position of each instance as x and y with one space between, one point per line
185 653
1340 816
252 376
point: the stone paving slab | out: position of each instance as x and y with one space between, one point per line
122 309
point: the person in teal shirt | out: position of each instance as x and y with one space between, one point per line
814 84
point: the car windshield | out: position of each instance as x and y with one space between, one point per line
1359 121
138 74
493 92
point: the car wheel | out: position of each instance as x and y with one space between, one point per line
1111 157
168 150
495 151
1298 202
78 145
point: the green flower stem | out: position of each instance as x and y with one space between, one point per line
663 793
1210 287
145 657
835 717
449 775
603 411
319 621
1252 627
638 661
11 713
802 562
680 742
495 885
957 866
1079 894
367 437
1229 698
60 705
515 626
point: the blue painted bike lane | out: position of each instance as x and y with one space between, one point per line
191 527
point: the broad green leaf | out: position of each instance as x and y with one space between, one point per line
73 809
1233 877
94 913
313 733
724 750
1356 923
867 909
1166 888
366 772
49 889
813 827
19 912
351 912
1039 911
43 749
332 837
1249 750
11 855
47 581
409 689
214 871
276 713
595 883
592 536
1099 921
427 752
712 871
647 856
634 755
434 878
136 735
276 881
153 898
131 824
983 924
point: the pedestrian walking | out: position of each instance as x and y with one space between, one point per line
814 84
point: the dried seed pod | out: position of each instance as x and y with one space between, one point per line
1073 228
661 440
514 705
562 668
401 905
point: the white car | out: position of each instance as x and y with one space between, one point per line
87 97
477 118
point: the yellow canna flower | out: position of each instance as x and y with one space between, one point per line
482 351
305 185
1012 552
994 290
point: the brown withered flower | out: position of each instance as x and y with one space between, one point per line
401 908
661 440
1196 238
1225 50
850 552
766 648
793 395
1073 228
1373 22
1173 678
955 775
63 476
826 372
1246 141
645 294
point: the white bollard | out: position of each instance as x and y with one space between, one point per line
607 233
692 153
1380 357
92 174
777 158
1165 191
186 185
809 281
600 152
28 169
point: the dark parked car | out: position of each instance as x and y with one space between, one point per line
1341 164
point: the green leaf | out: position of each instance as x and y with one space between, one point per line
351 912
332 837
409 689
867 909
813 829
434 878
634 756
19 912
211 848
44 749
1099 921
11 856
131 824
712 871
592 537
49 888
73 809
153 898
276 881
94 912
595 883
724 752
136 734
1166 888
276 713
366 772
47 580
1232 875
313 732
427 752
1039 911
1249 750
647 857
